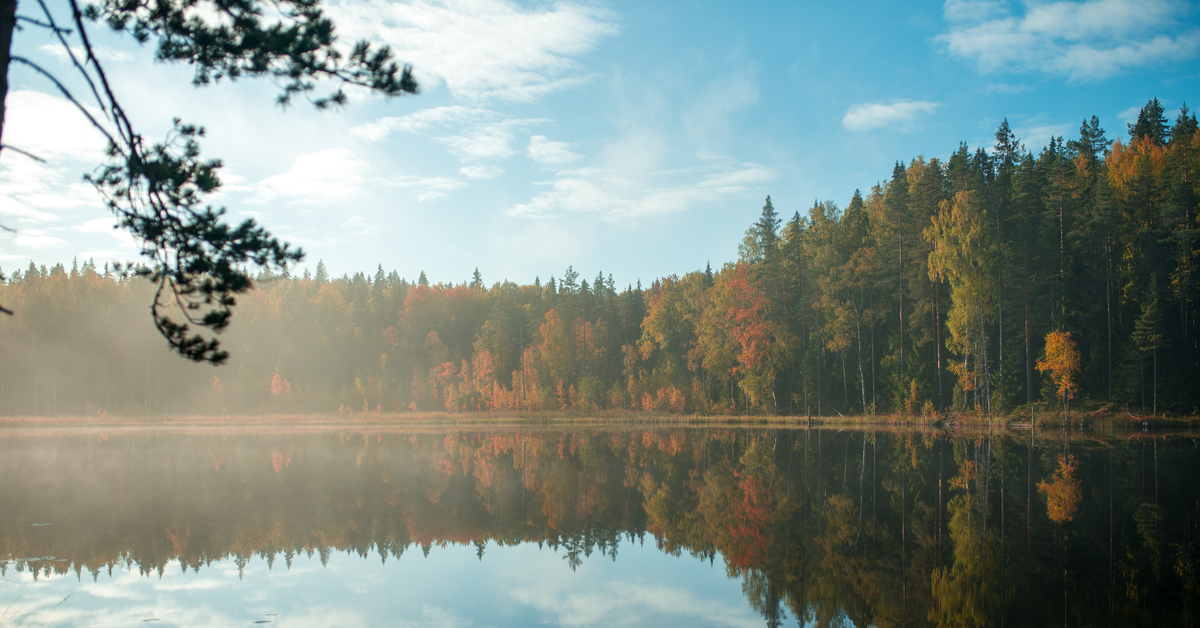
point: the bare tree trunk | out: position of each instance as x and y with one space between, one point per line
8 23
937 331
861 380
1108 304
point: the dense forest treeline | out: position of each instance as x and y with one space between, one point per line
932 292
909 528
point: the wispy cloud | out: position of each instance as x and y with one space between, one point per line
38 239
486 141
1130 115
1004 88
609 195
421 120
899 114
325 176
103 54
106 226
545 151
482 49
427 188
1085 41
1033 135
481 172
623 603
34 193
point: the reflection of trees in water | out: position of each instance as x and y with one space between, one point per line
875 528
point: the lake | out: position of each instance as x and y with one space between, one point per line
428 526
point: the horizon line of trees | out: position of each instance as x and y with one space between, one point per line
935 291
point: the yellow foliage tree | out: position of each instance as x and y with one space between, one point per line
964 255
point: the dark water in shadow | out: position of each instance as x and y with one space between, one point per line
722 527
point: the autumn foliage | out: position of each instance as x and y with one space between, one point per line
1062 361
1063 492
934 288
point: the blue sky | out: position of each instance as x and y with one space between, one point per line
638 139
518 585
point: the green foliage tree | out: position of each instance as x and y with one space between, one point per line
964 255
1151 124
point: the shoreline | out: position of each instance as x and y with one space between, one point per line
1098 419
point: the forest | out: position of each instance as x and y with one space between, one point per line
933 292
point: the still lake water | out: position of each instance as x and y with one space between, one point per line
598 527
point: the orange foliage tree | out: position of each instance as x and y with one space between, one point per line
1062 360
1063 492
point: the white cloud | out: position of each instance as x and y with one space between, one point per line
481 172
1130 115
899 114
197 584
481 49
546 151
1040 134
32 193
428 188
607 194
97 225
325 176
107 55
486 141
1085 41
105 225
50 127
11 208
38 239
626 603
420 121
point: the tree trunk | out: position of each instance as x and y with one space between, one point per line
8 23
861 380
937 330
1108 306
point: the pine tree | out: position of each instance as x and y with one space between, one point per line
322 272
896 201
1151 123
570 281
1147 335
158 191
761 241
1091 145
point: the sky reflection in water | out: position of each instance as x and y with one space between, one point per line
510 586
516 527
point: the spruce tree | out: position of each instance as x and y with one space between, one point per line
1151 123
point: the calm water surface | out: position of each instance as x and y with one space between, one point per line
641 527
